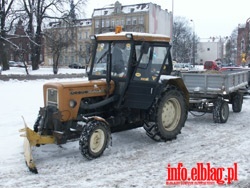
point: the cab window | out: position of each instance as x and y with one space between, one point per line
150 63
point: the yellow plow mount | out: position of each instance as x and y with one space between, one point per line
31 138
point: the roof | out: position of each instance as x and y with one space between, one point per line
77 22
136 36
126 9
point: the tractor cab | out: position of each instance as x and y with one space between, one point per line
134 61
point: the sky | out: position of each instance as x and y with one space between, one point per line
211 18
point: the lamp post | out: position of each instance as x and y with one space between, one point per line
172 20
193 51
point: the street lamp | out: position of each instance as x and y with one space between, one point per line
172 20
193 51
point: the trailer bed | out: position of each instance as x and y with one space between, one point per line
215 83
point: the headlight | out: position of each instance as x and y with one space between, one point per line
72 103
52 97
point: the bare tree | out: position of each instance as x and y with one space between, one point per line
231 48
38 11
85 52
183 40
57 40
7 18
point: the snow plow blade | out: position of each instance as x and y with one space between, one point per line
31 138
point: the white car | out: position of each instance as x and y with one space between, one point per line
180 67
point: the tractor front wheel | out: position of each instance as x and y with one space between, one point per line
94 139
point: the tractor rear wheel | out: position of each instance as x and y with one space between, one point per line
94 139
171 115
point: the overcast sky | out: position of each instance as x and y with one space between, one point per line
212 18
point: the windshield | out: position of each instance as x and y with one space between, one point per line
120 53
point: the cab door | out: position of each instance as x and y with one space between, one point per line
142 88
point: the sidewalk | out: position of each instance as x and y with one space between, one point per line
41 73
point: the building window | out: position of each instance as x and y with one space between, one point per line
134 21
105 12
107 23
208 49
128 21
141 29
112 23
141 20
80 35
96 23
122 22
66 60
117 22
86 34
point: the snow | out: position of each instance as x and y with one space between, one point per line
135 34
133 160
125 9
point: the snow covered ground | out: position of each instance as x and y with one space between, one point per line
133 160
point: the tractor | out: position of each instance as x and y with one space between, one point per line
129 85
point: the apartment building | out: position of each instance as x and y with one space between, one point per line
243 44
144 17
78 49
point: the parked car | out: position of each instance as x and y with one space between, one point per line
13 64
76 66
100 68
181 67
16 64
20 64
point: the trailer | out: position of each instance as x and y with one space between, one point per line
213 91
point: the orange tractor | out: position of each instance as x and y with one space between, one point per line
129 85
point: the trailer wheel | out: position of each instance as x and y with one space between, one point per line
220 111
94 139
237 102
171 114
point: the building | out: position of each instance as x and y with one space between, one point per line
243 44
19 45
210 49
75 50
144 17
